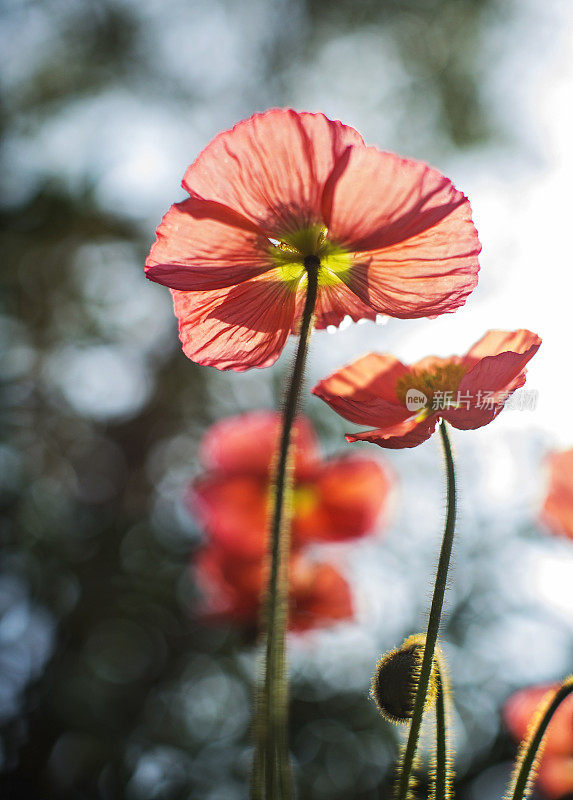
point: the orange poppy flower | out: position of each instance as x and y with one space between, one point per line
232 588
558 507
392 236
333 500
555 775
405 403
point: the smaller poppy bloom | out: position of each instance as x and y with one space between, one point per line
333 500
555 774
558 506
232 589
405 403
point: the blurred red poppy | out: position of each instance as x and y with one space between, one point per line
333 500
555 775
391 236
232 588
558 506
405 403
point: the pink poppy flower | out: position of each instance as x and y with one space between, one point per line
555 774
392 235
405 403
333 500
558 506
232 589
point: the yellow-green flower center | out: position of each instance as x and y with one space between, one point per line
290 252
304 499
432 389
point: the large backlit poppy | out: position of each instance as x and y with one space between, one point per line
391 236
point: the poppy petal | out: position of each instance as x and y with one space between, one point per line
420 278
239 327
486 410
558 506
495 342
365 392
230 589
233 510
350 492
521 707
272 168
409 433
320 595
414 241
494 376
555 776
195 250
335 302
403 198
248 444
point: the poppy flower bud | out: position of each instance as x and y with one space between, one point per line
396 679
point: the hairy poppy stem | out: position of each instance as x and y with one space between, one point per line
529 752
405 777
272 765
443 772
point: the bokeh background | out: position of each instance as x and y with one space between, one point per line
109 686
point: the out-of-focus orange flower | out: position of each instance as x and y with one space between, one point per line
232 589
558 507
405 403
555 774
333 500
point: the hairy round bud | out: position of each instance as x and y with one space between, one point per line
396 679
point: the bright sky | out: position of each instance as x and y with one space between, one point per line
521 197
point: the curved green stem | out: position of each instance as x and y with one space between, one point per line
521 780
404 780
271 765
